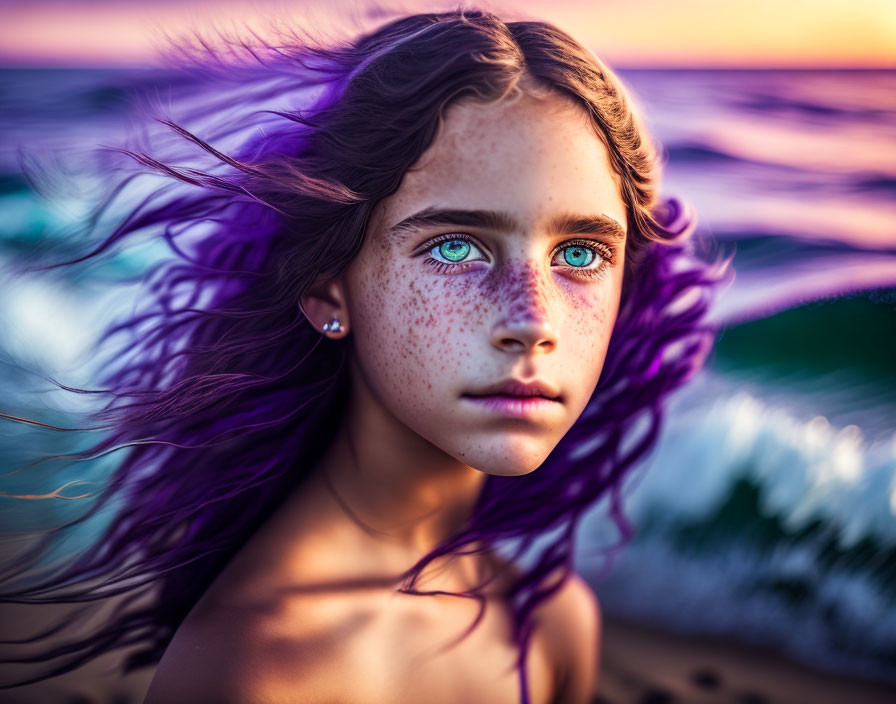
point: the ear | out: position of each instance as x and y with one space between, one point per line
323 301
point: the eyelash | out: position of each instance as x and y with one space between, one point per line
599 248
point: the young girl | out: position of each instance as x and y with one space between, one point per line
419 320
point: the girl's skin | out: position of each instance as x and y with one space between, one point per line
308 610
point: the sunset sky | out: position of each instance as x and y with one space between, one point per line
627 33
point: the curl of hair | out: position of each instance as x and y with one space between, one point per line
224 396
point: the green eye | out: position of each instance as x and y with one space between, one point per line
454 250
576 255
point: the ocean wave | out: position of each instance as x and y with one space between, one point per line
758 522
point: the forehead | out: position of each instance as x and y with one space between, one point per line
535 157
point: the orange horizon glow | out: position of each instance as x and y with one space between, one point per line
637 33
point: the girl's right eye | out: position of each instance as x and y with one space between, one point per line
451 252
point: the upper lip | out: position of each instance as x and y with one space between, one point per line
515 387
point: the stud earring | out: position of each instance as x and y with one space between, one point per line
333 326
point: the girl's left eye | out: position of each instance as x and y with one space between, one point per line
450 252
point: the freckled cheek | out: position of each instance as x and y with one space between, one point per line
431 338
396 326
439 318
590 326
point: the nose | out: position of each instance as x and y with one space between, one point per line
522 336
528 323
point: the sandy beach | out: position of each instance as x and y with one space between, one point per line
643 665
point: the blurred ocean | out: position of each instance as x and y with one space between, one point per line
768 510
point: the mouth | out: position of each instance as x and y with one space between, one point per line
512 396
515 406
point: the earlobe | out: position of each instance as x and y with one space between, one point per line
323 305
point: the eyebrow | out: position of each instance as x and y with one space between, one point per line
563 224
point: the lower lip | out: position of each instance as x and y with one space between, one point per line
515 406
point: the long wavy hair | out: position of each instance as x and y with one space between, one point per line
224 396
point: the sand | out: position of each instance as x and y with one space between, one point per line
644 665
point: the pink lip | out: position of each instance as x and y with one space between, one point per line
515 406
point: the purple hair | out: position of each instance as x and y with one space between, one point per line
225 396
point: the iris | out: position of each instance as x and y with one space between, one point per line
454 250
578 253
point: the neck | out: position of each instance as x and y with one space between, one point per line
401 492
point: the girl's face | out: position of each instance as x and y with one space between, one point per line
500 257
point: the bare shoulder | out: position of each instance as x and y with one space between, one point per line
209 659
256 636
198 664
570 623
225 656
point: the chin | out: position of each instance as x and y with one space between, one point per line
508 462
509 471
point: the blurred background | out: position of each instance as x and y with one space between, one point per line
764 563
